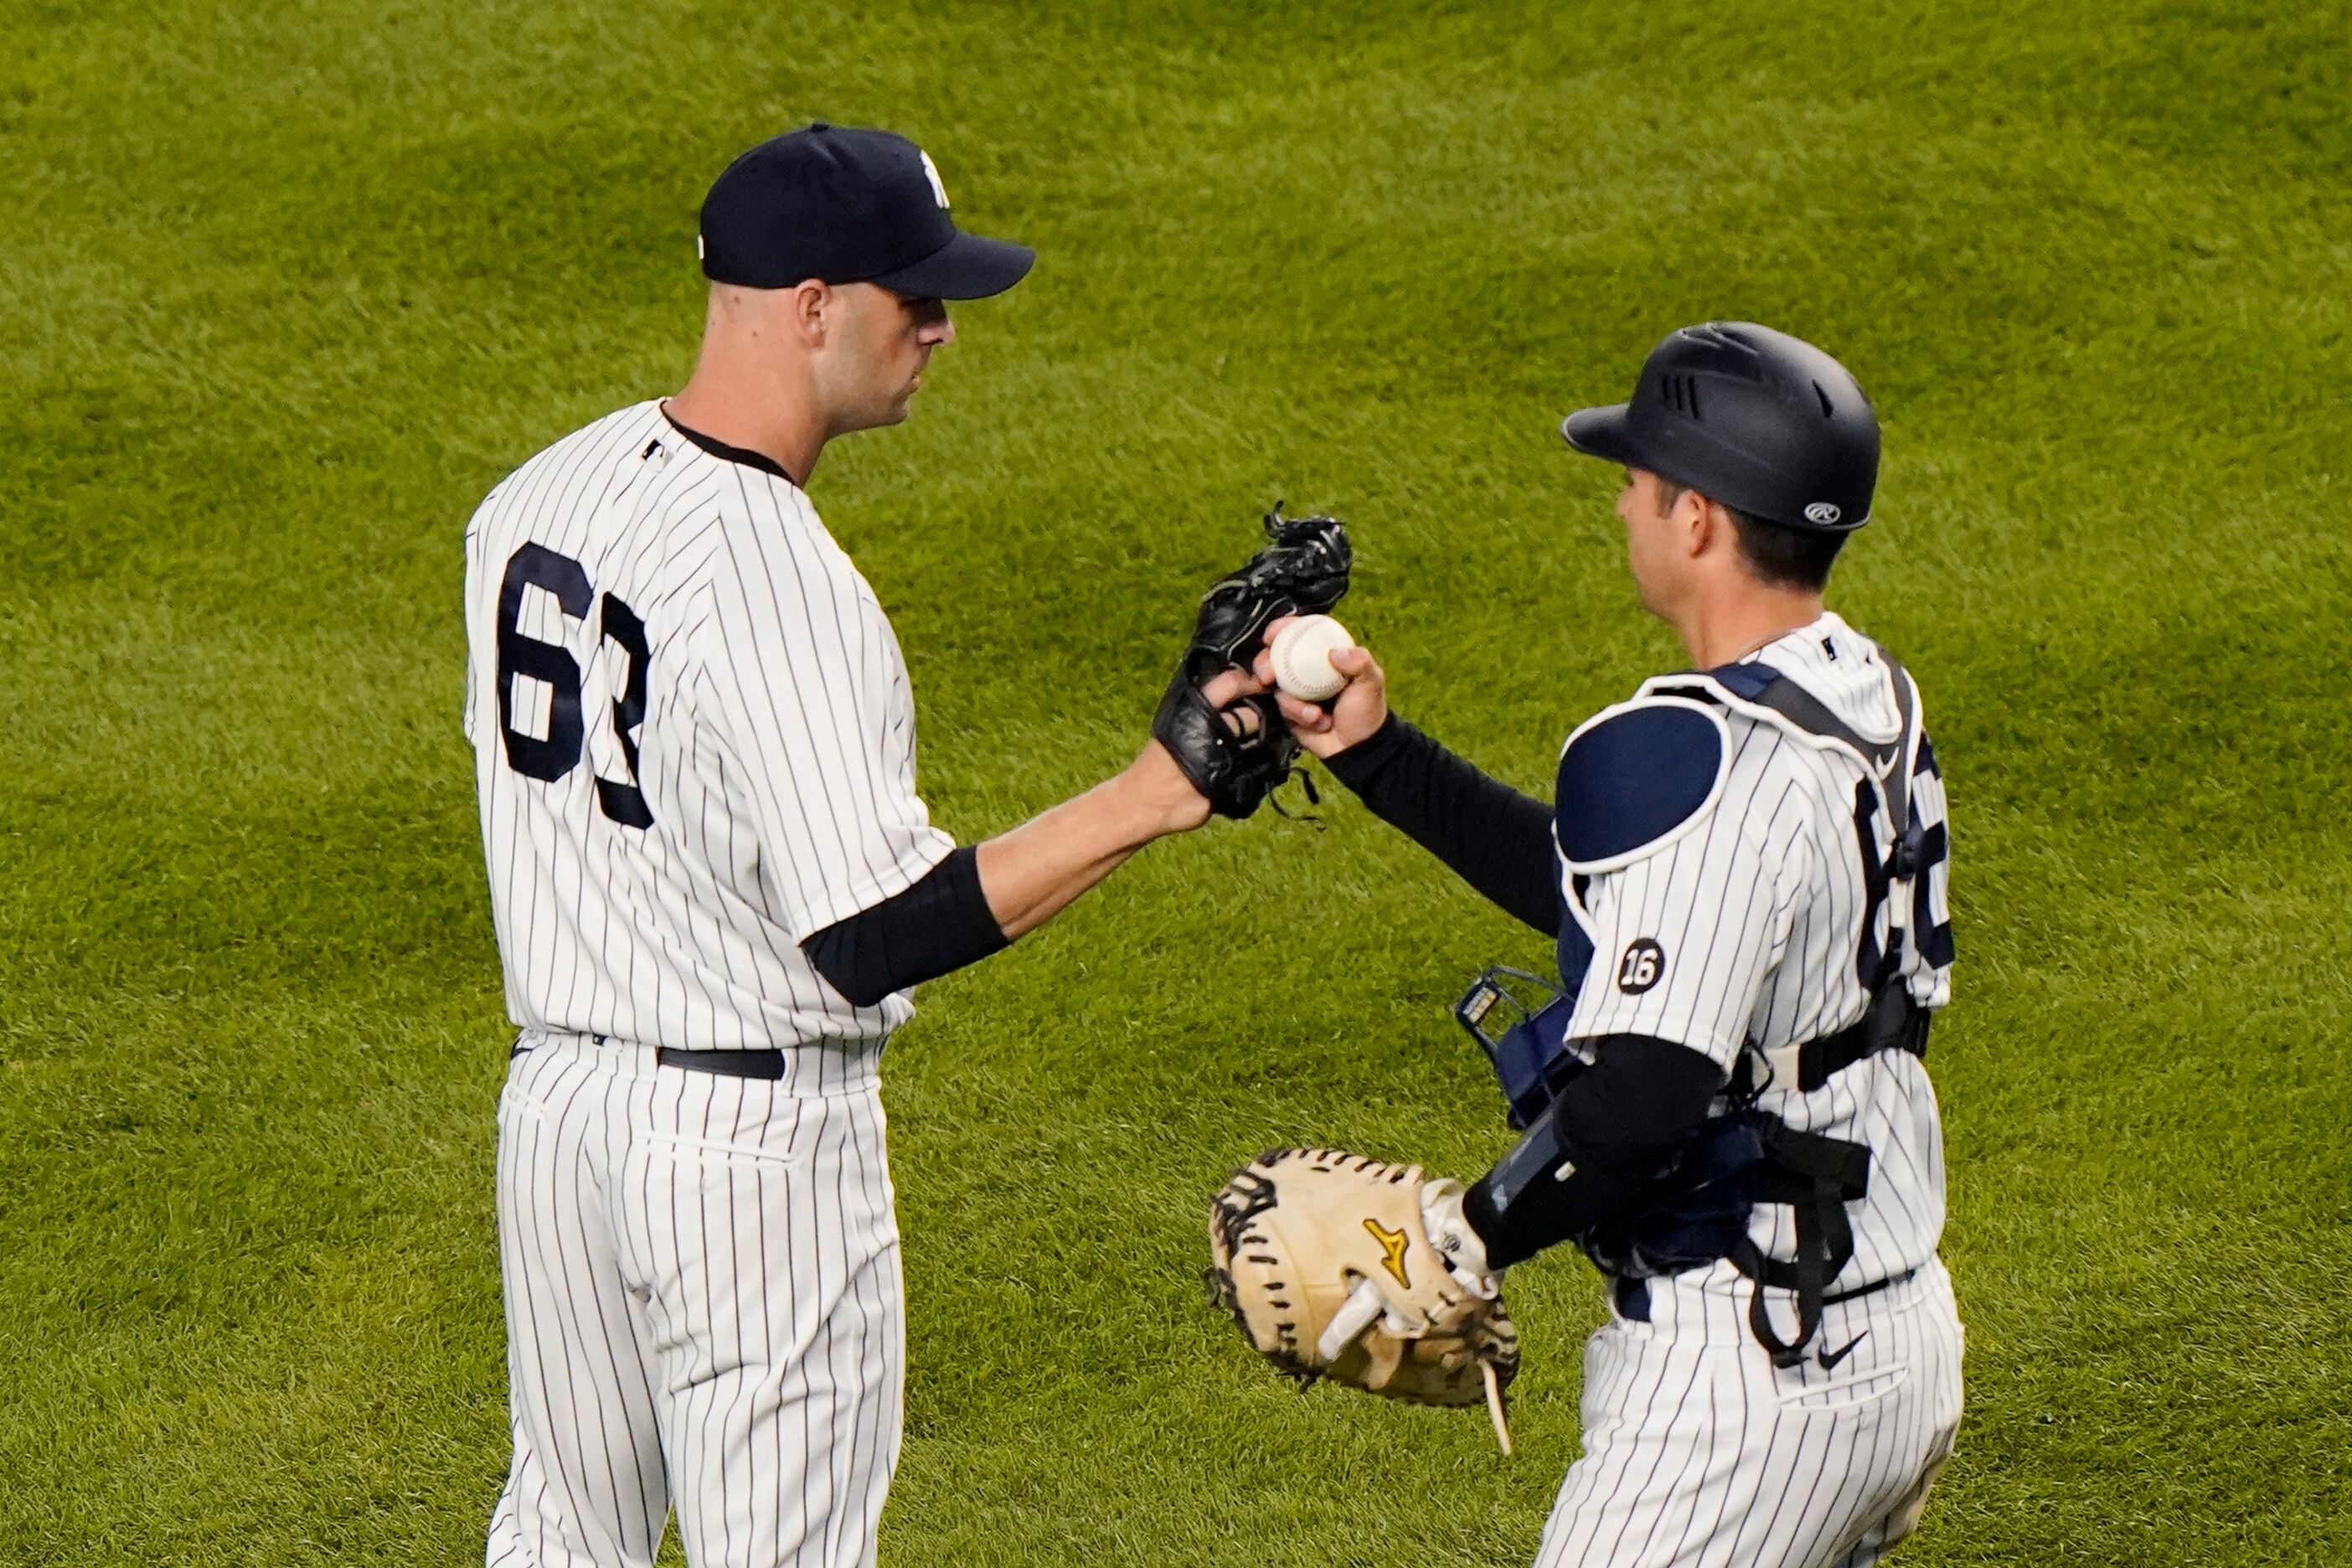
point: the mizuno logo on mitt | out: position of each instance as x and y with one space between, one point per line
1284 1261
1392 1243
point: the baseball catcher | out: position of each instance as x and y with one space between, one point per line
1723 1100
1238 754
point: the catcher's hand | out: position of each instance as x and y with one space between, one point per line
1235 755
1326 1261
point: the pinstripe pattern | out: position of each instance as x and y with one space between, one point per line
1757 910
702 1281
777 751
703 1305
1698 1452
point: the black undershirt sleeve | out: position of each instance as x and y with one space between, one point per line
941 923
1616 1128
1497 839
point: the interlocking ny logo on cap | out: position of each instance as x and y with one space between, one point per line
932 173
1821 511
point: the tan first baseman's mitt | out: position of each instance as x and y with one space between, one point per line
1323 1259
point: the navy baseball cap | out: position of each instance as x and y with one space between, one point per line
847 206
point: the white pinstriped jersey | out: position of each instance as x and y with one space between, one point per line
1744 928
694 739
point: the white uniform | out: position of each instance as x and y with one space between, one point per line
1741 930
694 742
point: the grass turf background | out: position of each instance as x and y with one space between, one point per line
284 291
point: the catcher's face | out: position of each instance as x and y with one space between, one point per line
1656 539
877 347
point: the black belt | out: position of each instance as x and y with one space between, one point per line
1632 1293
768 1064
1873 1288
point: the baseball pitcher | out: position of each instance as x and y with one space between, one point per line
714 881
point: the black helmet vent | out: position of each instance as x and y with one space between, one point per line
1779 430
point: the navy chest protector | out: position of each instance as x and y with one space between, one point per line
1698 1211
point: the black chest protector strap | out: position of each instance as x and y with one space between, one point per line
1889 761
1817 1177
1894 1022
1766 687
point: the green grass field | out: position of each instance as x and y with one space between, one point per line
285 288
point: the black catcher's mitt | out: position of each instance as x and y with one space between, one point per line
1235 756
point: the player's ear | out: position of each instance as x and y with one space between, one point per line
810 308
1701 520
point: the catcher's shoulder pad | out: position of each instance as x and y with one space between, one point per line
1635 778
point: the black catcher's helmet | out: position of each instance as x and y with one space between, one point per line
1762 421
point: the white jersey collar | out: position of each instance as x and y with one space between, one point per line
1841 668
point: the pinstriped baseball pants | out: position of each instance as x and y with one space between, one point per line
704 1306
1698 1452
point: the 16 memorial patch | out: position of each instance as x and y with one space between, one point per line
1639 970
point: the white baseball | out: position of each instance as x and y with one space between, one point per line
1302 658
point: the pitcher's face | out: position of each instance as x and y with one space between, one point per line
877 345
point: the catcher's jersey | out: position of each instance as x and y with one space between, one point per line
1743 927
694 742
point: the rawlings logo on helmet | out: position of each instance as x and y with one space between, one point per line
1823 512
